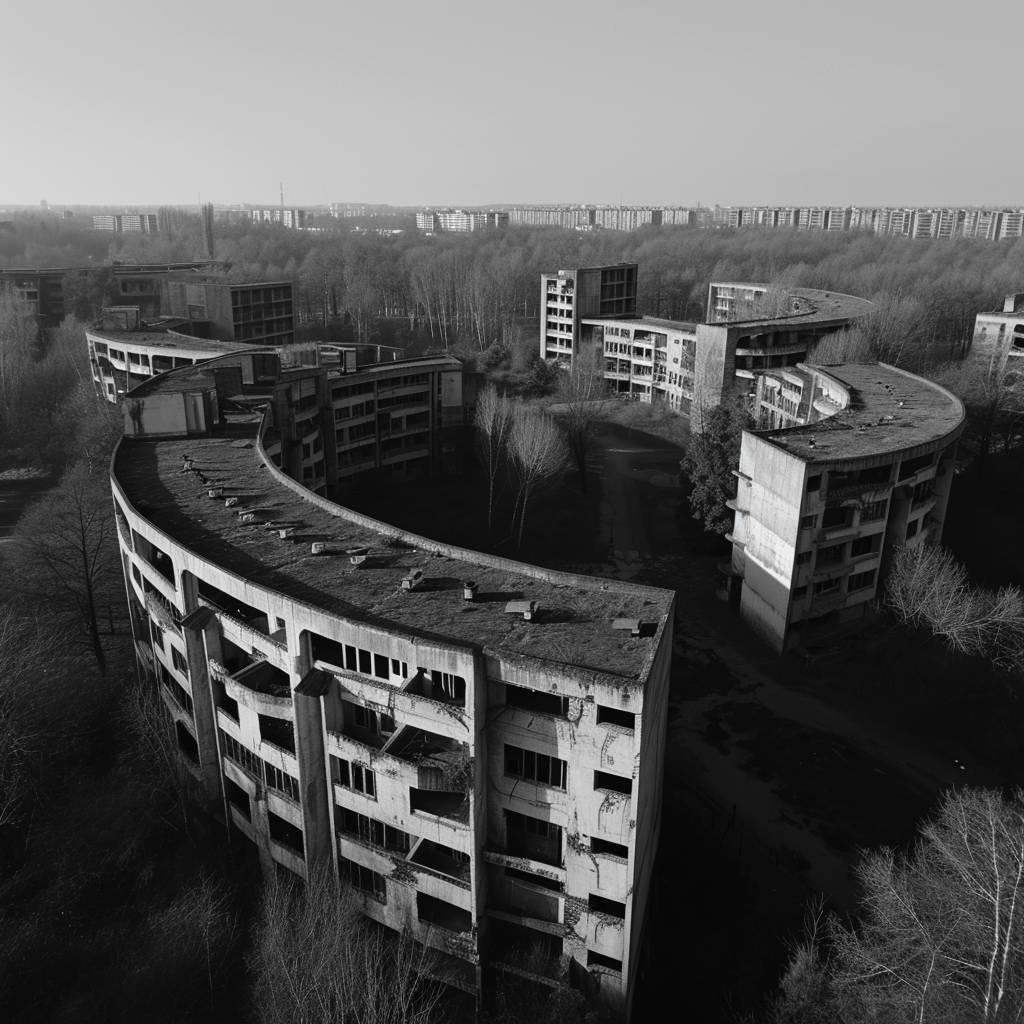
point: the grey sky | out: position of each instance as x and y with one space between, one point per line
452 102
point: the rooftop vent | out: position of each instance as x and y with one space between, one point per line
357 560
326 547
469 589
215 492
636 627
633 625
528 609
413 580
230 502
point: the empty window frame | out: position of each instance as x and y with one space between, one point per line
452 687
839 515
615 716
873 511
373 720
533 700
178 661
605 906
861 580
355 776
526 836
830 555
866 545
376 833
600 960
608 849
281 781
542 768
614 783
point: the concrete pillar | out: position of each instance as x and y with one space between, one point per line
201 634
309 686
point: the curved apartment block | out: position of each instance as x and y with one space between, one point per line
122 360
853 461
476 744
748 329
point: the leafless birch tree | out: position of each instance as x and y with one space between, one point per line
316 960
493 424
539 454
581 390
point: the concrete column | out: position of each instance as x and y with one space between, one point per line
309 686
201 634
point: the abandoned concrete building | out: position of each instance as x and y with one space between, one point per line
692 366
122 360
851 461
997 344
476 744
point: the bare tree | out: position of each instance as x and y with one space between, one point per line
316 960
539 454
157 765
66 549
926 587
493 424
850 346
581 390
17 336
23 647
941 938
992 397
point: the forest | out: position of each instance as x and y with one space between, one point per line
473 291
121 900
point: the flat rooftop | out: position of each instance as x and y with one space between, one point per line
573 629
890 410
169 340
821 307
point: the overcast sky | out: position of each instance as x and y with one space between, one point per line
449 102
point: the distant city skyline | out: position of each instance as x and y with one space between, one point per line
455 103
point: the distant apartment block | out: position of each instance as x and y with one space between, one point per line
364 210
126 223
615 218
287 217
910 222
460 221
849 463
474 744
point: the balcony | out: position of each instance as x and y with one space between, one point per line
260 687
443 764
163 612
439 913
771 350
244 626
438 860
512 894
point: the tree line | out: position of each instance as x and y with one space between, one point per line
474 288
